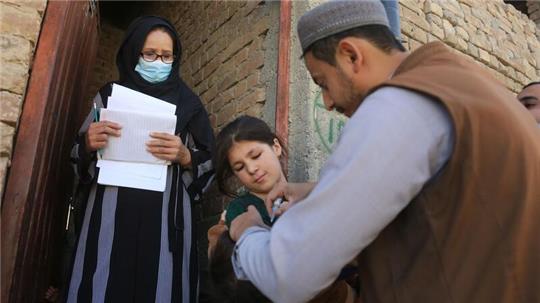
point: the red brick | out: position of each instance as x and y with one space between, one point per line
254 110
228 80
253 79
225 114
240 88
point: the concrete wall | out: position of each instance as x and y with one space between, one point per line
492 33
20 24
307 149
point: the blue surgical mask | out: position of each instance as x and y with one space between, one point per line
153 72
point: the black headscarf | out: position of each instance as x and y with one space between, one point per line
172 90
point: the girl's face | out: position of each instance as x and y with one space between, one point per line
256 165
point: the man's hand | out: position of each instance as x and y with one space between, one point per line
98 134
290 192
244 221
169 147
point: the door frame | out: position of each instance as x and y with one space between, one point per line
37 188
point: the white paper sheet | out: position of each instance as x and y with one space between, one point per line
135 132
123 98
148 176
135 175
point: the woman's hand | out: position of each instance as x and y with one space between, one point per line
98 134
169 147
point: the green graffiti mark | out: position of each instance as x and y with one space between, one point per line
328 125
340 125
331 131
319 105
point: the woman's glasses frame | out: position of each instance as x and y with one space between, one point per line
151 57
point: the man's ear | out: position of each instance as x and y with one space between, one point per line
277 147
349 54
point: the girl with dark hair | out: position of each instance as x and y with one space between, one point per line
249 153
137 245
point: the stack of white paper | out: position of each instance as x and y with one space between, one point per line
125 161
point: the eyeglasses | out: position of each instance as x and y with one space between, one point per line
151 57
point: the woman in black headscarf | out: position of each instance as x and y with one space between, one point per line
137 245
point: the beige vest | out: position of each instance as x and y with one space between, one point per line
473 232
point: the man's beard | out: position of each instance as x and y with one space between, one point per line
351 97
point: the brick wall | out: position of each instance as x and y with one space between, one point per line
223 54
493 33
20 24
105 70
534 12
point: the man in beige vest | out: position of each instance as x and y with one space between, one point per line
433 186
